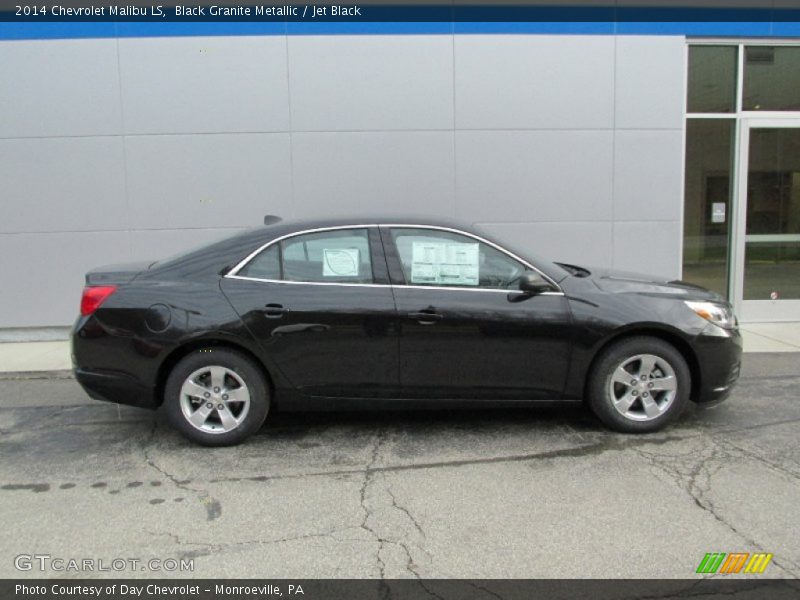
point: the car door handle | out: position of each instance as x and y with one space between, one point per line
274 311
426 317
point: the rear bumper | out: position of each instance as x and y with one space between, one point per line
115 387
719 354
96 361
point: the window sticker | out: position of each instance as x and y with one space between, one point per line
340 262
444 263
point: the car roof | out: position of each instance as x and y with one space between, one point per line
229 251
282 228
367 220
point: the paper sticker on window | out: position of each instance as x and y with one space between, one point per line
340 262
441 263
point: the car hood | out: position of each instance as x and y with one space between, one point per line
622 282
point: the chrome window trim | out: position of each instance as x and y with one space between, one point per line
386 285
338 283
233 273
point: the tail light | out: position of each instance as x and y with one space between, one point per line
94 296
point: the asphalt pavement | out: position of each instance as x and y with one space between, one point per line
495 493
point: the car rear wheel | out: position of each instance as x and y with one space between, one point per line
216 397
639 385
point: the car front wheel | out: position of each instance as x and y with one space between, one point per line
639 385
216 397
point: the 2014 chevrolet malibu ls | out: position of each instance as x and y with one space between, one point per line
385 313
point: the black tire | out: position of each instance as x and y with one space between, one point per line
243 368
602 390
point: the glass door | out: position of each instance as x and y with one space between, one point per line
767 227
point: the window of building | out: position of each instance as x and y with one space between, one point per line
707 210
771 78
708 180
772 228
712 79
743 165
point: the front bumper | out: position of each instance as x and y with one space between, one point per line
719 353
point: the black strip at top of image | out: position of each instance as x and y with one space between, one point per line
589 11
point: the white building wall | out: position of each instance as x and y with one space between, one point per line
116 150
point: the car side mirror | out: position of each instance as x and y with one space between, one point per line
533 283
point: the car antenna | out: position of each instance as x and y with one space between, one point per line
271 219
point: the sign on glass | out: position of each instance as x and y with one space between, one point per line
443 263
340 262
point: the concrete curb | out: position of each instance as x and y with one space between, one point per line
61 374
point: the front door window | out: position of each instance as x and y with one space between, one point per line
431 257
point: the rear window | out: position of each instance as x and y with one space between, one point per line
176 259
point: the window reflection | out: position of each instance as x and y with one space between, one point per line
712 79
709 147
771 78
772 242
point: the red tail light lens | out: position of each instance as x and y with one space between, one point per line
94 296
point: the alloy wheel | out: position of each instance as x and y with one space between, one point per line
214 399
642 387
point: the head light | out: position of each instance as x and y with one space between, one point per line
719 314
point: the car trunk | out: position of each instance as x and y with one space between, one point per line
116 274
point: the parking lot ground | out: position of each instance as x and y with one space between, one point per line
496 493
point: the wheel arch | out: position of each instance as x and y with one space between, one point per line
646 330
183 350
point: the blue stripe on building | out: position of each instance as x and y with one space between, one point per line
396 20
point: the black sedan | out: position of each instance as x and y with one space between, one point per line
386 313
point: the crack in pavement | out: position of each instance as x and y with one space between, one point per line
404 510
771 464
368 471
368 497
212 505
693 473
412 564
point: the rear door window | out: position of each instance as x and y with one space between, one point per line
337 256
